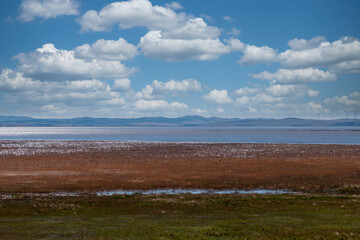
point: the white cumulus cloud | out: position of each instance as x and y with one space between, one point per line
312 93
151 105
194 28
255 55
50 63
303 44
146 92
326 54
15 81
234 31
187 85
274 99
305 57
107 49
129 14
344 103
346 67
158 88
293 91
86 85
313 107
246 91
172 36
218 97
31 9
122 84
288 76
265 98
154 45
174 5
59 108
57 96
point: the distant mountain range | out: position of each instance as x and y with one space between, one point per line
21 121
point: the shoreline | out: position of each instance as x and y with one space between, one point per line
171 142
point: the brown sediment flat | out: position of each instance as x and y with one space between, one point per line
49 166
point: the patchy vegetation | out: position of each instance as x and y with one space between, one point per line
181 217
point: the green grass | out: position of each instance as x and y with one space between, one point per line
181 217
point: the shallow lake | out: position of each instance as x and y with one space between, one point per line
317 135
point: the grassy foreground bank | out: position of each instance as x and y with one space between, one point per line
181 217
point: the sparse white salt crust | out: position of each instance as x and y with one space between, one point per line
37 147
48 147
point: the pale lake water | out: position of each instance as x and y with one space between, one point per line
310 135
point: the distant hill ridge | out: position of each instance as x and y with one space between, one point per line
21 121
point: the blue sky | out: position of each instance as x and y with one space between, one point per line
72 58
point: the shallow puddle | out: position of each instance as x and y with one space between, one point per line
158 192
190 191
152 192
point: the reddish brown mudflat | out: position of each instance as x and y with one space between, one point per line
50 166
